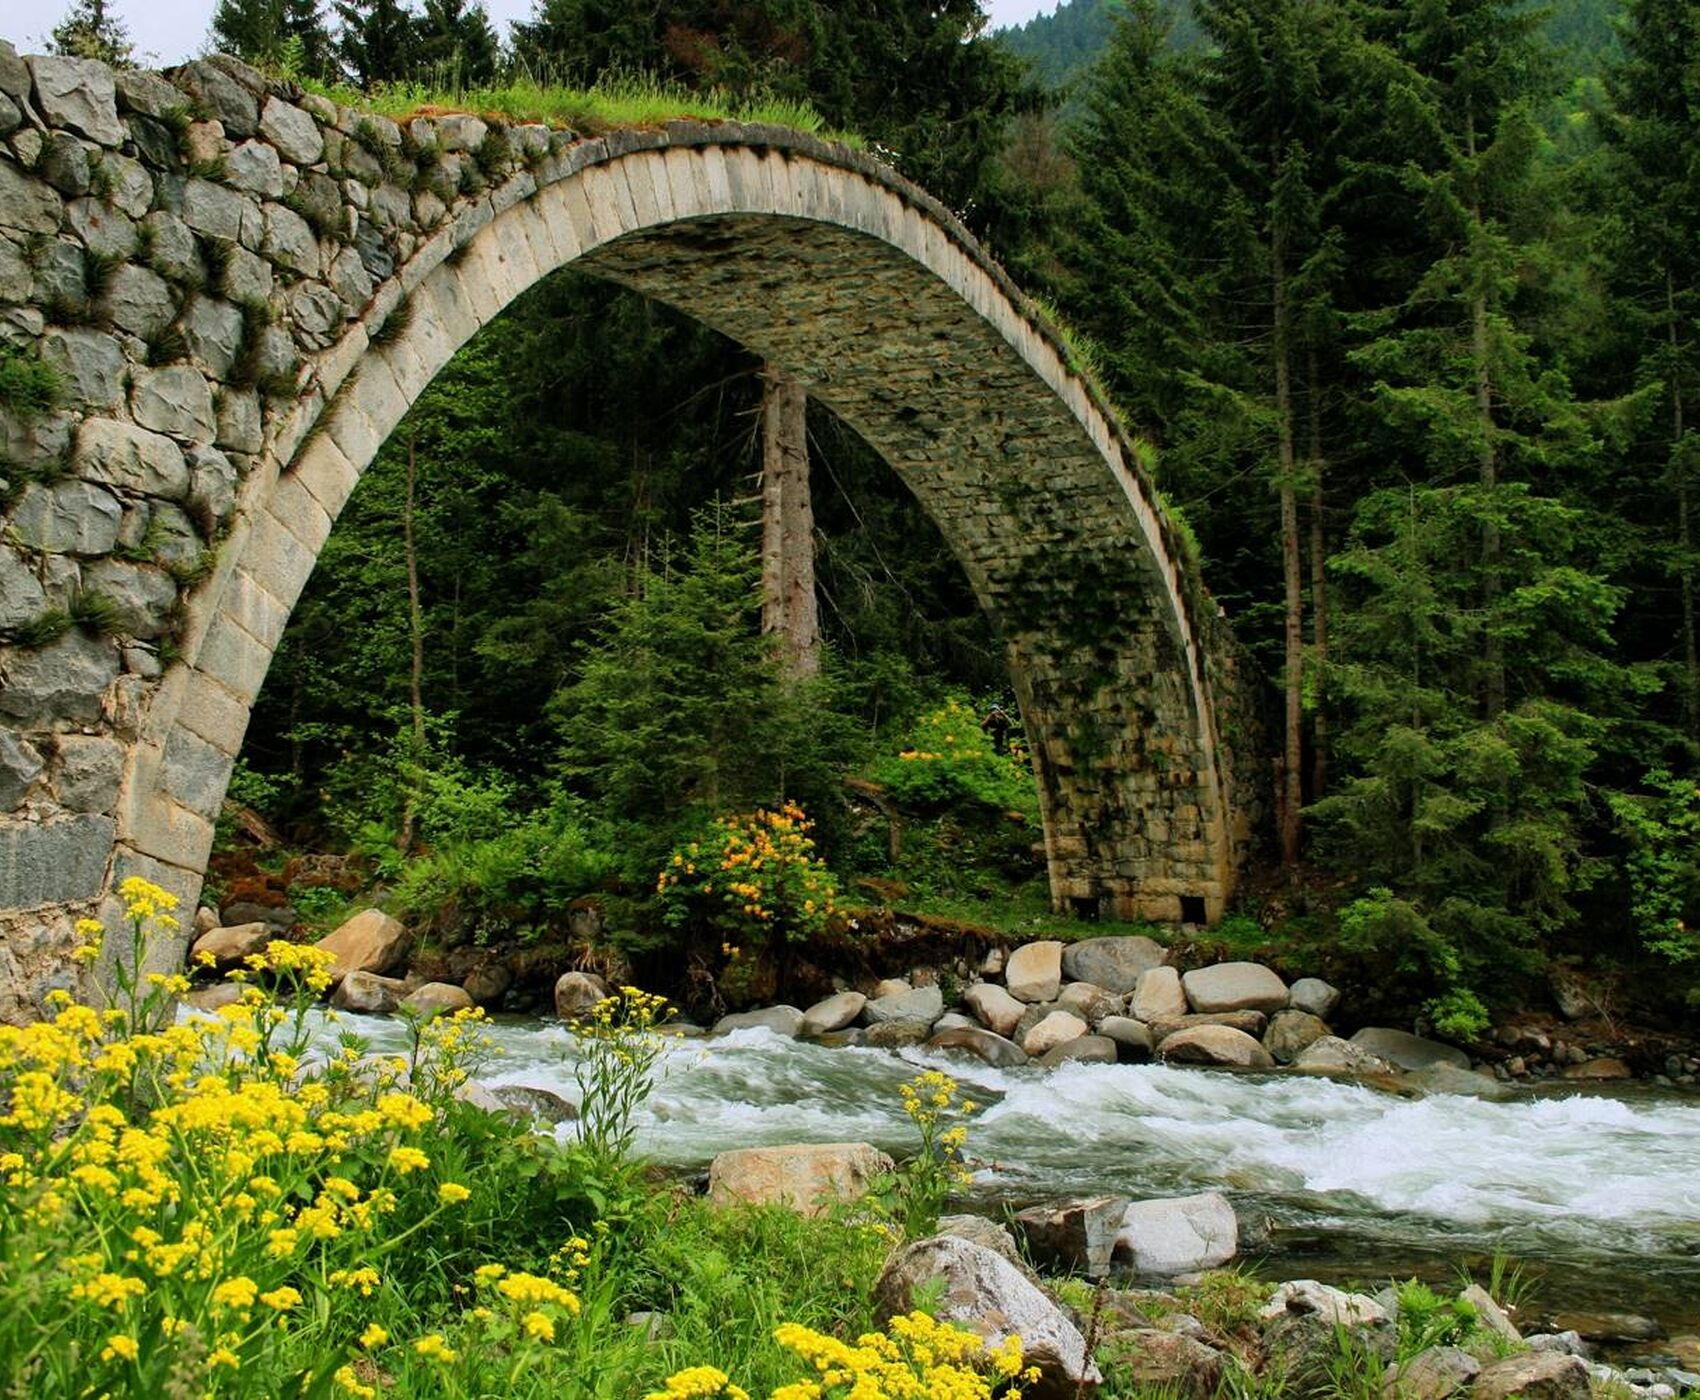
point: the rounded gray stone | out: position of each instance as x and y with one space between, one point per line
1115 964
294 133
77 93
69 517
175 400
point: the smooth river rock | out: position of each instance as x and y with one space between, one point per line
976 1289
1083 1049
1314 995
981 1043
1058 1028
1159 996
1214 1045
1034 971
1538 1375
809 1178
435 998
1290 1033
833 1014
1179 1235
369 942
578 994
781 1020
1407 1051
996 1008
1075 1234
1235 986
916 1004
1116 964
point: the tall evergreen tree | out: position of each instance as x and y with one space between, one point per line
376 41
91 30
456 44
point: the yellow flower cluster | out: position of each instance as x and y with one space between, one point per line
197 1192
916 1358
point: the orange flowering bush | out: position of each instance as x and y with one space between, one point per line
754 877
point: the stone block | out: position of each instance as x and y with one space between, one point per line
239 424
295 134
289 241
143 595
234 658
21 597
53 862
212 209
159 828
221 95
104 229
27 204
77 93
213 331
117 454
174 400
139 301
87 769
254 167
68 517
91 362
21 764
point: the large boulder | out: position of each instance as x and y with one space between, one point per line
1133 1038
435 998
1116 964
1214 1045
1434 1374
785 1021
988 1234
1180 1235
1537 1375
809 1177
1093 1002
983 1044
1334 1306
228 946
973 1288
1303 1325
1290 1033
1085 1049
1077 1234
1167 1363
898 1035
833 1014
995 1007
369 942
1058 1028
1331 1055
541 1105
1407 1051
916 1004
577 994
1159 996
1314 995
1235 986
1253 1023
1034 971
369 993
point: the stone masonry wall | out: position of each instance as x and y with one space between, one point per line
242 287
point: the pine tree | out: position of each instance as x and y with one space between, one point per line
456 45
90 30
1654 195
377 41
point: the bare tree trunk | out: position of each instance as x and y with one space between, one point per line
1292 776
416 635
1684 528
1318 593
788 608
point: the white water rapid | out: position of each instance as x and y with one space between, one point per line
1591 1184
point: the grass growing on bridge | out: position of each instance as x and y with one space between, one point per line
610 105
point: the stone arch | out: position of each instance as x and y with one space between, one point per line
830 265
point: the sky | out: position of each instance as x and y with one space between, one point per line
169 31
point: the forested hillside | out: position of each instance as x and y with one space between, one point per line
1062 45
1407 316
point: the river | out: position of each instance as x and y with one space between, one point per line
1596 1193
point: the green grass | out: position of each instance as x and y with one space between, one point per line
607 106
1024 911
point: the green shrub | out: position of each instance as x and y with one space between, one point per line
28 387
947 762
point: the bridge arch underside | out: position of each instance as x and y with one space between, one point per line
815 258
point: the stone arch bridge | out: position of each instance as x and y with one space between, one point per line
242 288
